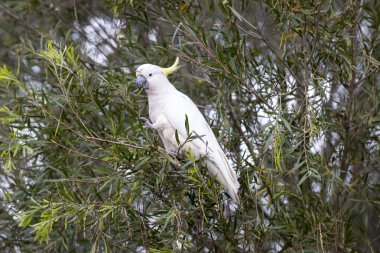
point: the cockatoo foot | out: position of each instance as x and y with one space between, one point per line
146 123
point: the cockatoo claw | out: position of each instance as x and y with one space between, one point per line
146 123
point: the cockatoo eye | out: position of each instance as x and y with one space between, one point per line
150 74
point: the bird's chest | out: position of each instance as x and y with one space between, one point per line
158 106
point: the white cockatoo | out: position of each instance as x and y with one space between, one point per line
175 116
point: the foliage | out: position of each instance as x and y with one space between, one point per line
291 89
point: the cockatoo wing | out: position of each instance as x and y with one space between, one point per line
178 108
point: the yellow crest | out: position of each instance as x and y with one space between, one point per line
173 68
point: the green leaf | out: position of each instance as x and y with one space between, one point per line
187 125
177 137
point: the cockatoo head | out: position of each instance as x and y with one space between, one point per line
151 76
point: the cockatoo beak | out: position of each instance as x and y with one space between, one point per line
141 82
